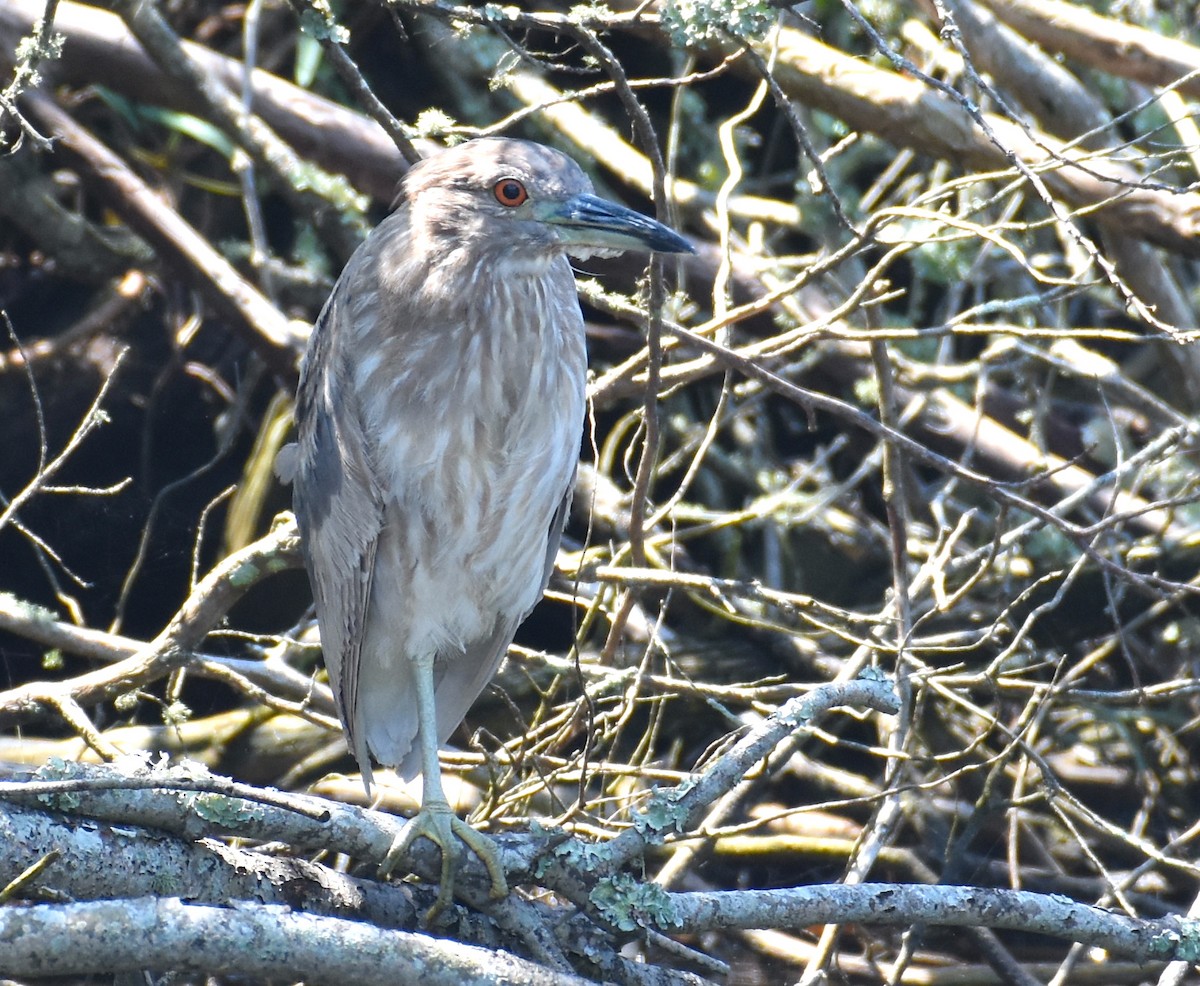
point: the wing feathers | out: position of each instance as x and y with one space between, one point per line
340 509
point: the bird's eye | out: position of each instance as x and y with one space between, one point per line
509 192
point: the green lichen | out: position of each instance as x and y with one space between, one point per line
628 905
1180 943
30 612
499 13
317 22
244 575
32 50
581 856
695 23
229 813
662 813
57 769
35 48
434 123
590 13
175 714
276 564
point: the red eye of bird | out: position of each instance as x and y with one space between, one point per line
509 192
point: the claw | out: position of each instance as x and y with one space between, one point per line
437 822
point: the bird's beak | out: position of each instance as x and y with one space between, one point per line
596 224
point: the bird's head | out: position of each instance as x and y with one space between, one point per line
503 197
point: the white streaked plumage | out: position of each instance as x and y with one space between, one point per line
439 414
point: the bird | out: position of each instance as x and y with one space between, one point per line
438 421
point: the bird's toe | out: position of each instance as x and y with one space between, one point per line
438 823
488 853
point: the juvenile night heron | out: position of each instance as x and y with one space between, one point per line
440 411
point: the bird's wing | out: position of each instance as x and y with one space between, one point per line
339 508
554 537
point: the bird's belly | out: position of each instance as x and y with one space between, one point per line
469 523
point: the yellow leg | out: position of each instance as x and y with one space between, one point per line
436 821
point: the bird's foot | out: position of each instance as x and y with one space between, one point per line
437 822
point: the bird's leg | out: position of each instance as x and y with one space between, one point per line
436 820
